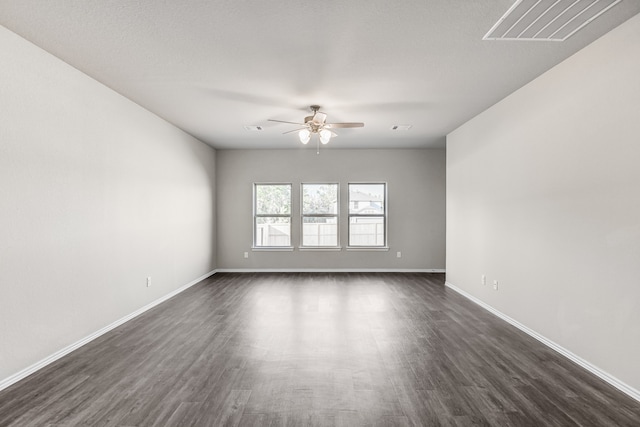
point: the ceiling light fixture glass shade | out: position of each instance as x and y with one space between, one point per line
325 136
304 135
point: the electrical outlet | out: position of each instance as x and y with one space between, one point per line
399 254
246 254
495 285
483 280
148 282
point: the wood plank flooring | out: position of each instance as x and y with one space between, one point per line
341 349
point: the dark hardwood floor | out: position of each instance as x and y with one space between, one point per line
342 349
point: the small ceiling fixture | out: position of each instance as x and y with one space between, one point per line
316 124
252 127
554 20
400 127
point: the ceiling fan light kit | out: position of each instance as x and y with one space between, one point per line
304 136
316 124
325 136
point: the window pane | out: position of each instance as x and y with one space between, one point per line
366 231
366 199
319 231
319 199
273 199
273 231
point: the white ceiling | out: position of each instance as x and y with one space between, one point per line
211 67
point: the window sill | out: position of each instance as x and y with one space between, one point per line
368 248
272 249
319 248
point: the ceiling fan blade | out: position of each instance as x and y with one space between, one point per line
343 125
295 130
282 121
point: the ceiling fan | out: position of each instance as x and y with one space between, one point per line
316 123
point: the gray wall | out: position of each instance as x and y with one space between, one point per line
416 203
542 195
96 194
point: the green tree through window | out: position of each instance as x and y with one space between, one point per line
319 215
272 215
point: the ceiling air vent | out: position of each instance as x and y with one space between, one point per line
554 20
252 127
400 127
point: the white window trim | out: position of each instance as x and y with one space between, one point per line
385 216
272 248
302 247
320 248
288 248
368 248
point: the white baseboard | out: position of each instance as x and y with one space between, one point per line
625 388
330 270
63 352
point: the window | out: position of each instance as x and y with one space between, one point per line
319 215
271 215
367 215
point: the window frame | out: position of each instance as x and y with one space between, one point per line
304 247
384 215
256 215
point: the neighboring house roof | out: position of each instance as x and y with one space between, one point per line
357 196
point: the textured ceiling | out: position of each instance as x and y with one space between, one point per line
211 67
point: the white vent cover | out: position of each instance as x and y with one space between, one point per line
553 20
400 127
